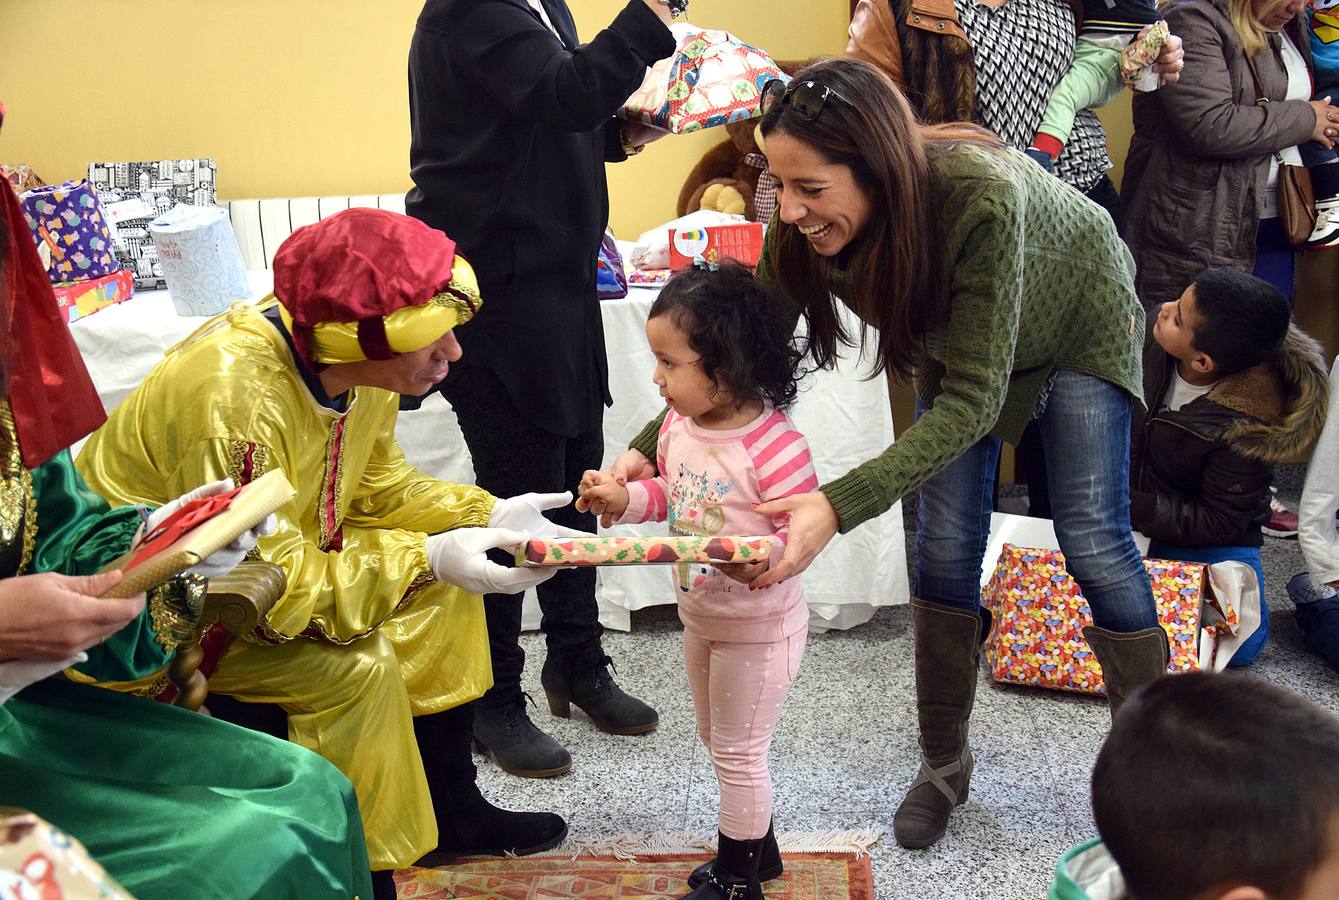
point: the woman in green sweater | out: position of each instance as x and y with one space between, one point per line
1009 297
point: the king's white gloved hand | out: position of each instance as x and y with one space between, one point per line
458 557
220 562
525 513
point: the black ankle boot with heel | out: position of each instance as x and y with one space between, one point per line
734 875
594 690
769 861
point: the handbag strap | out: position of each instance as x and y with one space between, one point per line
1260 98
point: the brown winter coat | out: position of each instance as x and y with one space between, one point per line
1199 476
1196 172
929 56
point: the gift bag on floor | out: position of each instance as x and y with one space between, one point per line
1039 615
713 79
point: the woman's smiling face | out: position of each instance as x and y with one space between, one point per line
821 198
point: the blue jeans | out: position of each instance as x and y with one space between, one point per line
1085 430
1275 257
1248 651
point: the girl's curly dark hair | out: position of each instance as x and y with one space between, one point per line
738 328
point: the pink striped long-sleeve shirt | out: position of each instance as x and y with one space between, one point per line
709 483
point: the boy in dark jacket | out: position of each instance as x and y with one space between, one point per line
1231 388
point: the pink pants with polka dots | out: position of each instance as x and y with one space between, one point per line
738 690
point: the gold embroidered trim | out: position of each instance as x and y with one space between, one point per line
243 471
174 609
18 506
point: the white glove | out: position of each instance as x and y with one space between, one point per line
220 562
17 674
458 557
525 513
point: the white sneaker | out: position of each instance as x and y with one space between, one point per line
1326 233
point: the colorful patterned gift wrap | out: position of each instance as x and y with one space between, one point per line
39 860
712 79
21 177
71 234
643 550
83 298
1039 617
1136 61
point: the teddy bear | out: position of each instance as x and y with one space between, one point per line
727 176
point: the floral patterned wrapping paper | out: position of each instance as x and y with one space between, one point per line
1039 617
642 550
21 177
712 79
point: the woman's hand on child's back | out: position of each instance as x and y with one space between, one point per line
603 494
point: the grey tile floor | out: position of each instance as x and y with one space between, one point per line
846 749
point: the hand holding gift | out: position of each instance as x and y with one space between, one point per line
1137 60
459 557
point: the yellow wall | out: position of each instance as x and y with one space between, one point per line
294 97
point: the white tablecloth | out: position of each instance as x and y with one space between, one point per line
845 418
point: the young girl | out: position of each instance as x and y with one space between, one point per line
727 366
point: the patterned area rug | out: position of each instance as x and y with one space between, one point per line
655 875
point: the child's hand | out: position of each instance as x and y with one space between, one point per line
603 494
744 572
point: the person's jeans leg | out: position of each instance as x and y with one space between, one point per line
1086 427
953 527
1275 256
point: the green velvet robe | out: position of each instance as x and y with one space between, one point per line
172 803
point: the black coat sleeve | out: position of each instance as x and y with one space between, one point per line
1233 494
536 78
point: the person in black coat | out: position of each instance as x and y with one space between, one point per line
513 121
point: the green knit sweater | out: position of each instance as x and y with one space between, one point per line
1039 281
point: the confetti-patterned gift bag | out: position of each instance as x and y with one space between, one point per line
1039 617
72 236
713 79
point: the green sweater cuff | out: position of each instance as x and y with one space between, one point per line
646 440
854 499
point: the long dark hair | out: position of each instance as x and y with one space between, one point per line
737 328
897 287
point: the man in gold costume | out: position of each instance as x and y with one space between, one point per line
379 643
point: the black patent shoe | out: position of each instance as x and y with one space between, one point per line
721 885
478 828
599 696
506 734
769 862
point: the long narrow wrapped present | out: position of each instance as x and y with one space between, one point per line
713 79
643 550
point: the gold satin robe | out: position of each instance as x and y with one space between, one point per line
364 638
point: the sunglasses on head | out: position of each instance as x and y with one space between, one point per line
805 97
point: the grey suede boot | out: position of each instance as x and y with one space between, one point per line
1129 660
594 690
948 645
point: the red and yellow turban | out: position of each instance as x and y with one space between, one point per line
371 284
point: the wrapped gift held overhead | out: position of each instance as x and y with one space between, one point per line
712 79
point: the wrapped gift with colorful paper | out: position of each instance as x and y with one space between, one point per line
200 259
640 550
21 177
77 299
1039 616
38 860
1138 57
71 234
712 79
